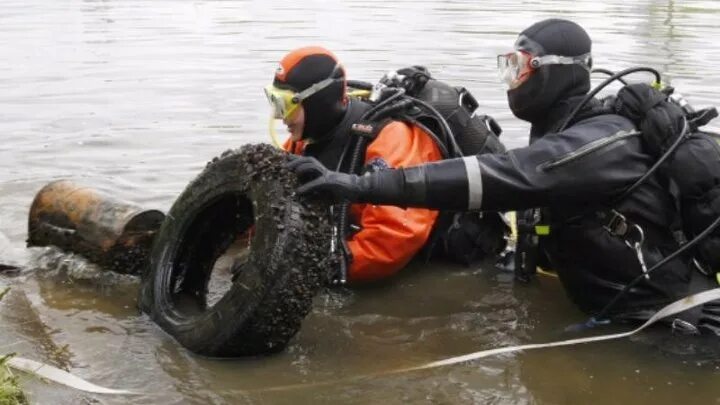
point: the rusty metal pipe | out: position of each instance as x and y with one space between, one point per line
112 233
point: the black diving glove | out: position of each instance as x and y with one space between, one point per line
435 185
317 179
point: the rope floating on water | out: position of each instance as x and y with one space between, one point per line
62 377
669 310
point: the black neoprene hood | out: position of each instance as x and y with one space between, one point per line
550 84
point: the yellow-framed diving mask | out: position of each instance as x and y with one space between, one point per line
284 102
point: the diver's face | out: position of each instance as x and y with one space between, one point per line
295 123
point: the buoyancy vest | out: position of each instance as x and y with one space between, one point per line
448 114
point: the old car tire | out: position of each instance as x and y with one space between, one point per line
287 264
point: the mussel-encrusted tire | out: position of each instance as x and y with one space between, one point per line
273 291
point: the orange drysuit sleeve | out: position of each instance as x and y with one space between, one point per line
390 236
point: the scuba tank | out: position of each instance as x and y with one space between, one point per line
438 101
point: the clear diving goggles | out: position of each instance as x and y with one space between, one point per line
516 67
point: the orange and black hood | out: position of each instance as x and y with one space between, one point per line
303 67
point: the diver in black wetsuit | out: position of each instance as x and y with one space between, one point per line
573 175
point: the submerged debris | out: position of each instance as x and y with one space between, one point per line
272 289
112 233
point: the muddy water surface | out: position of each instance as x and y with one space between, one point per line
133 97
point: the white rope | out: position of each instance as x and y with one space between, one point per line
60 376
671 309
676 307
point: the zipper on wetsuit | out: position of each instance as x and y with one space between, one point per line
587 149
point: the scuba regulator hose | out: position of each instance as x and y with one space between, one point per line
396 101
447 131
357 151
605 83
354 162
609 73
665 156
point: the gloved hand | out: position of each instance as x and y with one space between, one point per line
316 178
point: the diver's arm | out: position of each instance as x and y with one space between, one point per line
408 187
586 164
443 185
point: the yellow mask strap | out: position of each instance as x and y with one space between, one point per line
273 132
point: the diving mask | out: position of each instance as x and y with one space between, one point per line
515 67
284 101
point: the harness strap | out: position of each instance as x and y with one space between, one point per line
613 222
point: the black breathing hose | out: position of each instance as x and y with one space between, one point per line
447 131
609 73
591 94
604 84
656 166
360 145
382 109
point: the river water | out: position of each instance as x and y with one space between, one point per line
133 97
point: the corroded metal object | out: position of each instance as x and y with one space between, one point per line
107 231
